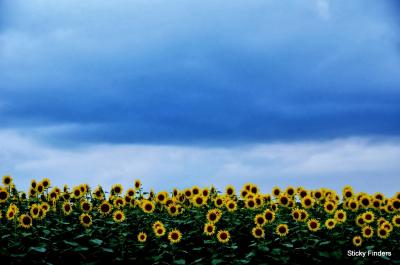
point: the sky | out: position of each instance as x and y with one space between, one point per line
179 93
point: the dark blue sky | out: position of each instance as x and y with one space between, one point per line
205 72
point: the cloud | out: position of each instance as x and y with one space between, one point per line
368 164
187 72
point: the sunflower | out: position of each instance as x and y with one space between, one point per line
25 221
365 201
119 202
269 215
159 231
313 225
368 217
118 216
173 210
382 233
3 195
353 205
98 193
231 205
157 224
67 208
76 192
243 193
214 215
209 229
46 183
10 214
199 200
219 201
360 221
388 226
367 231
130 193
205 192
284 200
45 206
86 220
250 204
329 207
86 206
296 214
40 188
161 197
138 184
116 189
396 220
290 191
254 189
188 193
376 204
174 236
260 220
196 190
340 216
396 204
357 241
282 230
7 180
302 193
276 191
148 206
330 223
105 208
348 193
34 211
223 236
307 202
230 190
258 232
142 237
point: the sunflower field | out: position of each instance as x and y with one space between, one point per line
85 225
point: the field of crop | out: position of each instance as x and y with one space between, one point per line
196 225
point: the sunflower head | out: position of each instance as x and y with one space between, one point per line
159 231
269 215
340 216
46 183
3 195
223 236
214 215
258 232
357 241
67 208
282 230
7 180
383 233
118 216
260 220
231 205
330 223
142 237
116 189
86 220
313 225
86 206
209 229
396 220
367 231
307 202
148 206
174 236
25 221
105 208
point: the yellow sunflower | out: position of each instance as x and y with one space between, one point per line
66 208
276 191
330 223
214 215
231 205
147 206
307 202
340 216
330 207
105 208
258 232
396 220
46 183
118 216
250 204
25 221
142 237
223 236
199 200
260 220
230 190
367 231
209 229
174 236
313 225
173 209
357 241
116 189
282 230
369 217
7 180
86 220
159 231
383 233
219 201
138 184
3 195
86 206
269 215
119 202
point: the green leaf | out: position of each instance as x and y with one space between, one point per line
81 249
74 244
38 249
96 241
109 250
180 262
324 243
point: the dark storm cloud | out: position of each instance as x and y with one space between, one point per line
189 73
